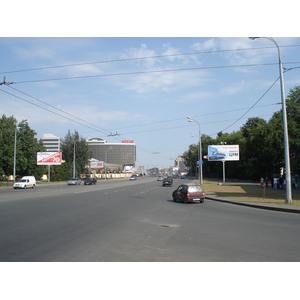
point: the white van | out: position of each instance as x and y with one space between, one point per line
25 182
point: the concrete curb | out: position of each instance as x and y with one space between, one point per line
269 206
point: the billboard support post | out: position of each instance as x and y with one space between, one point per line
223 171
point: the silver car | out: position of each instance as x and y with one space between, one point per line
74 181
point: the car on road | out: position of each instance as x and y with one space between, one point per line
160 178
189 192
74 181
90 181
25 182
167 182
133 177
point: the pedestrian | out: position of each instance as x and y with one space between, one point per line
261 182
267 182
280 183
293 182
272 182
275 182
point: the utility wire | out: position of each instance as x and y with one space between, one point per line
144 149
141 58
285 70
49 110
147 72
98 128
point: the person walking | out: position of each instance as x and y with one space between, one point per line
261 182
275 182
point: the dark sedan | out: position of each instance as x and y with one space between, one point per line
167 182
90 181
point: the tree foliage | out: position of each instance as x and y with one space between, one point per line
27 147
81 152
261 146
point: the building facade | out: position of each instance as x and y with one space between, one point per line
115 155
51 142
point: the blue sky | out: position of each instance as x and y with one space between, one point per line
144 88
140 68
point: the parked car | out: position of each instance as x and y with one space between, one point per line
189 192
25 182
90 181
160 178
167 182
133 177
74 181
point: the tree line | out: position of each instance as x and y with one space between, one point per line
18 139
260 143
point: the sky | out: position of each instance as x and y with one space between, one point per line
143 89
142 84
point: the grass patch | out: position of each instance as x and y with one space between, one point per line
248 193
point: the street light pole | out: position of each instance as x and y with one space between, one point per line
106 161
74 158
15 153
199 151
285 128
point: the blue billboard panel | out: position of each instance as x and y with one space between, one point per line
223 152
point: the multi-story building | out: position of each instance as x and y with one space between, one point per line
115 155
51 142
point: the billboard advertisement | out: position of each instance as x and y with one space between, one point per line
49 158
223 152
97 165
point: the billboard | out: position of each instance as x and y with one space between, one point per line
223 152
96 165
49 158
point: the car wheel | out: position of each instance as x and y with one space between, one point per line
201 201
174 199
185 200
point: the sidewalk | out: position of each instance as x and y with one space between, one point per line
269 206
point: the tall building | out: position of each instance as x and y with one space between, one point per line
51 142
116 155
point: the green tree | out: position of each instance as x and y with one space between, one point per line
261 146
61 172
81 152
7 134
27 147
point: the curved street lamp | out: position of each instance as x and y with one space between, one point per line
200 150
106 160
285 128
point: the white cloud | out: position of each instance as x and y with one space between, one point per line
234 88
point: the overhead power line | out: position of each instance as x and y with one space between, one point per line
141 58
149 72
60 110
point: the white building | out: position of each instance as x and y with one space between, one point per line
51 142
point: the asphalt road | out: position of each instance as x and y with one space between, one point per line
138 221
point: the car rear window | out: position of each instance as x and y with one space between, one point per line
195 188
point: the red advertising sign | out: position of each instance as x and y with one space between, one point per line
128 141
96 165
49 158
